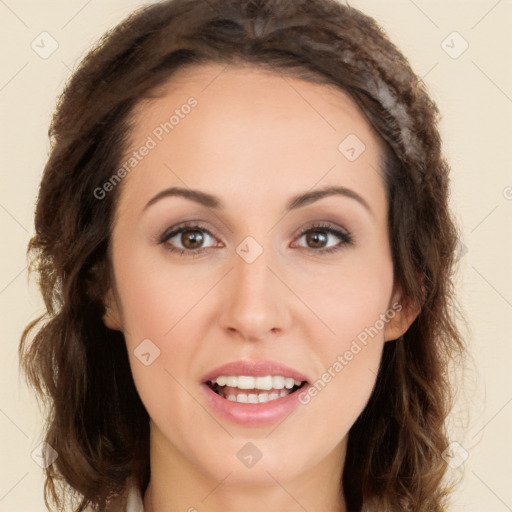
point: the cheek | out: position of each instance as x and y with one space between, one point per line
353 303
349 360
347 297
155 291
338 396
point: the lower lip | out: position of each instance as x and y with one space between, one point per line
253 415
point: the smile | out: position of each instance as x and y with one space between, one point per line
254 390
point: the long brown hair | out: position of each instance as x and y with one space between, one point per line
95 419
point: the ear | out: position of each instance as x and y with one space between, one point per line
406 312
112 316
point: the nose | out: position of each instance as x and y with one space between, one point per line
254 302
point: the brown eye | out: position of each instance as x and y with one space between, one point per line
192 238
187 239
316 239
325 239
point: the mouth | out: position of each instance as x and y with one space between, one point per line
254 393
254 390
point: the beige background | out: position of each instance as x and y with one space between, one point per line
474 93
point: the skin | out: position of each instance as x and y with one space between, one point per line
254 140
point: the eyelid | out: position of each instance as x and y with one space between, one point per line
320 224
191 225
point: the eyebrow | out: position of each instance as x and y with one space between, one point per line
298 201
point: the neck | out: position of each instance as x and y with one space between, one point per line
177 484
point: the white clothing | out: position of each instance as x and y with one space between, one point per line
134 502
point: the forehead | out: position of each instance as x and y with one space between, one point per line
250 130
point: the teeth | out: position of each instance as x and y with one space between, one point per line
253 398
246 382
278 382
289 383
277 386
231 381
264 383
221 381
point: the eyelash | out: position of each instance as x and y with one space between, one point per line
345 236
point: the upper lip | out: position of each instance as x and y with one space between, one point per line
254 369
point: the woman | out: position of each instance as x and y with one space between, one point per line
245 248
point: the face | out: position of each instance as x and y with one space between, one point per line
250 275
